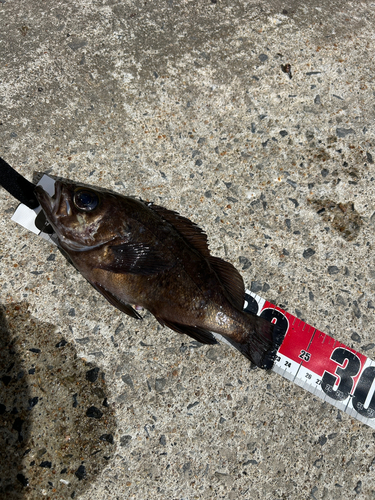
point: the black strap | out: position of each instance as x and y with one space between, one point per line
17 186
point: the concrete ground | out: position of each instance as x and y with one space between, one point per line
185 103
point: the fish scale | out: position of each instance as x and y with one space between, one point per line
307 357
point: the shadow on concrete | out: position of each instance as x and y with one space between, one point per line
14 417
56 426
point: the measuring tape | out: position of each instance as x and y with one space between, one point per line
308 357
320 364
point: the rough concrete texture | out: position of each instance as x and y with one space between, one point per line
185 103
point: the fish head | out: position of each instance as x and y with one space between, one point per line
82 217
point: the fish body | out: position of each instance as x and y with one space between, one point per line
138 253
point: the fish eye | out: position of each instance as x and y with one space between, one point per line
85 200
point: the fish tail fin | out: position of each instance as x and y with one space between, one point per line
261 343
267 356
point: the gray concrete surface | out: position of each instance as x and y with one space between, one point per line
184 103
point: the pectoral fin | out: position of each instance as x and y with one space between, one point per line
125 308
135 258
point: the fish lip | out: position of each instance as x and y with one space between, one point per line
45 200
56 200
49 204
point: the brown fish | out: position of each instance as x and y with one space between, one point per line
138 253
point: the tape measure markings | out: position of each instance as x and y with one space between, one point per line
320 364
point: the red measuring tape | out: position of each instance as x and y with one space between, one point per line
320 364
308 357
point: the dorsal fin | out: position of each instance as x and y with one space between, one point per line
190 231
231 280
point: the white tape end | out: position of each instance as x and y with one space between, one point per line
26 216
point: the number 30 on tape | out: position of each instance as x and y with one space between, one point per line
320 364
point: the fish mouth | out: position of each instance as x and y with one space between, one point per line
43 220
46 201
52 205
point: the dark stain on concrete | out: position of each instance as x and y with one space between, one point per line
342 217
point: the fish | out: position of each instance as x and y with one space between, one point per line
140 255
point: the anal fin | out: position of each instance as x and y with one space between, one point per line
200 334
